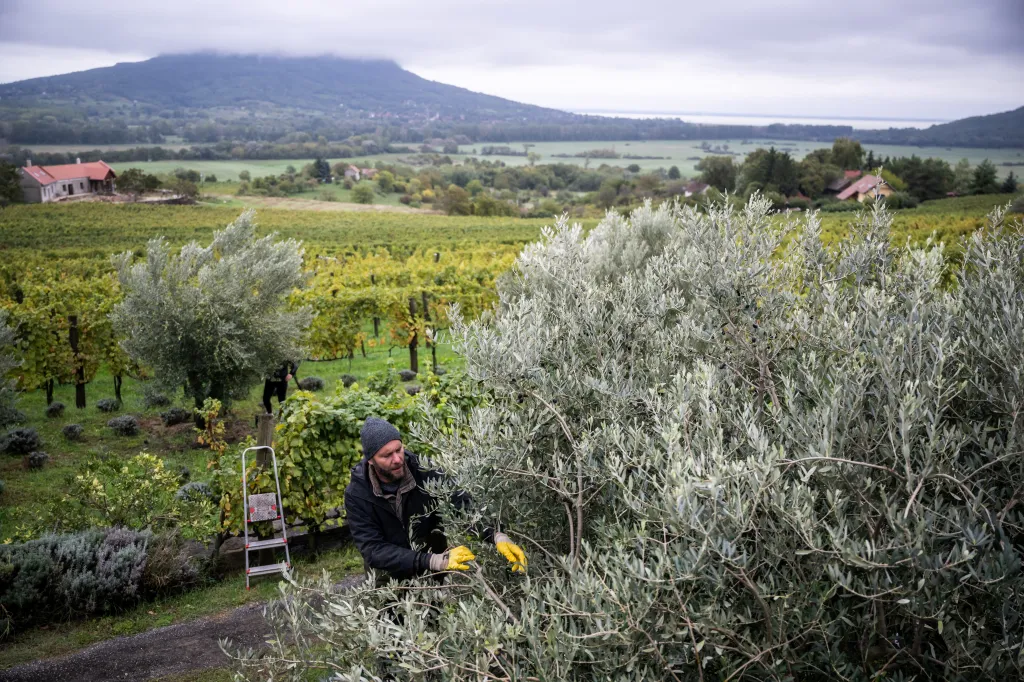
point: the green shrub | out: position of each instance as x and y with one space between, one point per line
730 453
81 574
898 200
36 460
138 492
175 416
173 563
21 441
153 398
841 207
195 491
3 487
363 193
383 381
73 432
55 410
311 384
125 425
108 405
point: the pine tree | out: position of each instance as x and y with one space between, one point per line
1009 185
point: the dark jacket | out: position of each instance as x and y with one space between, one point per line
282 372
382 536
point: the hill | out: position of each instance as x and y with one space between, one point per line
252 83
207 97
1005 129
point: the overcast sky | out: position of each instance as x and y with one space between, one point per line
927 59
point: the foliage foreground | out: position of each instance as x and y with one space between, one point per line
729 459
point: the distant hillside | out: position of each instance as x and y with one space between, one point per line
321 84
206 98
995 130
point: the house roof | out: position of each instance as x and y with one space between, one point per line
865 184
852 174
838 184
695 187
46 175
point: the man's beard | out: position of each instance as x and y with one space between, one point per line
388 476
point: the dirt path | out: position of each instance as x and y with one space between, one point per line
157 653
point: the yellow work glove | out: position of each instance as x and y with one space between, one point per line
510 551
452 560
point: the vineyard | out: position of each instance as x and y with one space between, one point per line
375 280
377 289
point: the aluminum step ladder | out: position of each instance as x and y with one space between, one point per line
263 507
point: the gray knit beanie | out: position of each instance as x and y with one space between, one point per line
375 434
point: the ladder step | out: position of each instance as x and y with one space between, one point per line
269 568
272 542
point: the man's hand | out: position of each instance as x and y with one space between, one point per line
288 378
458 557
452 560
510 551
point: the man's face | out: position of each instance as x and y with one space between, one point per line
389 462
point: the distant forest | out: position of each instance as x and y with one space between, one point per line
207 98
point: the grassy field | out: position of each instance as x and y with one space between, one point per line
681 153
686 153
229 170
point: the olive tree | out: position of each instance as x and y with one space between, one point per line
731 452
212 318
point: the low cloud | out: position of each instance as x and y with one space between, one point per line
661 54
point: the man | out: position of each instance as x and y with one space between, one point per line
277 384
385 493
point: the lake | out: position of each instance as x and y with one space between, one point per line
768 119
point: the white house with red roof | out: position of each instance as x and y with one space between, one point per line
868 187
42 184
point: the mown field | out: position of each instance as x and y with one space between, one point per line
682 153
686 153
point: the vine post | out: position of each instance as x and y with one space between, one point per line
73 339
414 359
376 320
430 335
